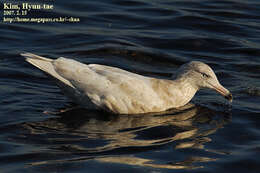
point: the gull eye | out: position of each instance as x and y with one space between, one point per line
205 75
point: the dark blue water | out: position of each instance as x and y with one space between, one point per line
149 37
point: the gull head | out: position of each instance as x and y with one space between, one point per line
200 75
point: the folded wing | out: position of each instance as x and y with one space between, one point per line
93 85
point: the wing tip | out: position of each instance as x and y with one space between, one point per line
28 56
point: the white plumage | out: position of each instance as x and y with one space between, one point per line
122 92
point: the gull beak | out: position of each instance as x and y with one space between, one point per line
224 92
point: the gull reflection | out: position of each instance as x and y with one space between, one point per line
115 138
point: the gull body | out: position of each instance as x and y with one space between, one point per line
122 92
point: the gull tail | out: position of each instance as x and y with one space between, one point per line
46 65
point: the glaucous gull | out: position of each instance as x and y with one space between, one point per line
122 92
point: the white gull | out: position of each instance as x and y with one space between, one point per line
122 92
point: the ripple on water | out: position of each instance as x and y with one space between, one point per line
150 38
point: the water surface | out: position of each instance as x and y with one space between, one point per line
150 38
